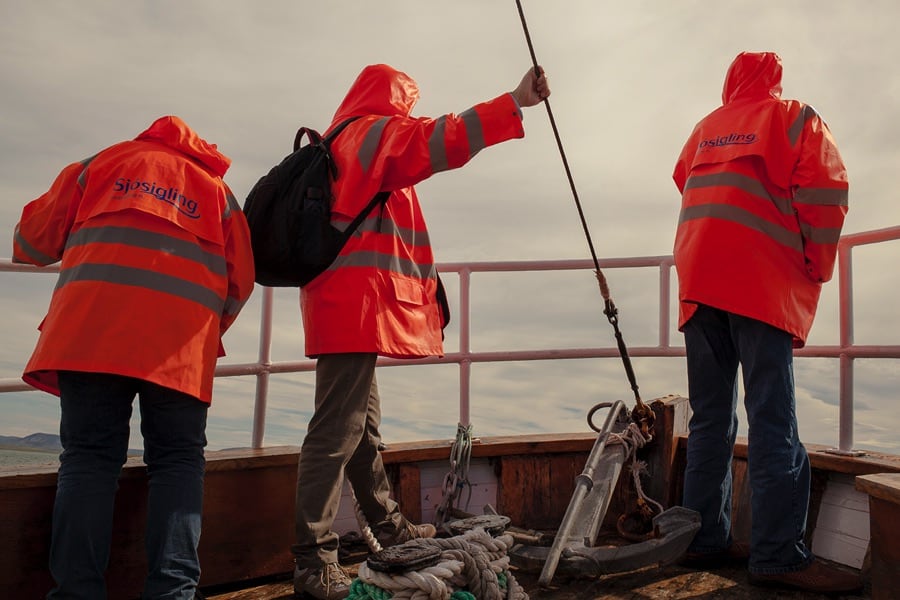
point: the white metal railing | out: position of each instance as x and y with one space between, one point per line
845 351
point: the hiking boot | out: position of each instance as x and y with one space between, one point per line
408 531
326 582
817 577
736 554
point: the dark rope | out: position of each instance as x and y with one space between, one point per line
610 310
562 153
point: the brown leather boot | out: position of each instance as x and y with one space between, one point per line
817 577
326 582
388 535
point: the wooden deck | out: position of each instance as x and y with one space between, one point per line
653 583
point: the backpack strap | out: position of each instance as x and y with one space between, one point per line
337 130
315 138
379 198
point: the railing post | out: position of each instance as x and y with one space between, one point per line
265 361
845 290
464 339
665 282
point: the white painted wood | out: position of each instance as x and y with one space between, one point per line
483 489
842 527
345 520
432 474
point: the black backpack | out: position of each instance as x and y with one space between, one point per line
289 214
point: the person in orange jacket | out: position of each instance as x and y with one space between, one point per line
764 195
156 265
381 296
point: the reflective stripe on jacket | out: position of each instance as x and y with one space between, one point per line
156 262
380 295
764 195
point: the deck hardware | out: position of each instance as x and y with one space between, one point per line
574 549
493 524
404 557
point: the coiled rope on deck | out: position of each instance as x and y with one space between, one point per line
472 566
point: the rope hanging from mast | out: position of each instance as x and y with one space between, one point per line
641 412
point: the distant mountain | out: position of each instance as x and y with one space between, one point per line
46 442
41 442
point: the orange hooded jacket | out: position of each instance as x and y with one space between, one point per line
380 295
764 195
156 262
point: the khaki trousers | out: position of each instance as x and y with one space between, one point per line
341 441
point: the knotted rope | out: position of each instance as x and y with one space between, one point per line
633 438
472 566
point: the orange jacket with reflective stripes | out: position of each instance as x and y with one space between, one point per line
381 294
156 262
764 195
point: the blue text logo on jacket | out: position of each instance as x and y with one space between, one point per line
172 195
730 139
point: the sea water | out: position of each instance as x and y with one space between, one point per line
9 458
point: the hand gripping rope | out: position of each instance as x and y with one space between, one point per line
641 413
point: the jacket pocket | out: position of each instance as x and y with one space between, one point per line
410 292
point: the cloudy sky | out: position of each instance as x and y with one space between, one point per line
629 80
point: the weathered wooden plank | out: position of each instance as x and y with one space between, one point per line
884 486
545 443
660 484
407 488
25 534
740 501
248 517
526 492
821 458
885 531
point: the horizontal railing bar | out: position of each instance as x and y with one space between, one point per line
555 265
846 351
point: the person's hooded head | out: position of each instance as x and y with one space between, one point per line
175 133
379 90
753 76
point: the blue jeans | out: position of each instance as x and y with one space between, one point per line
94 431
716 343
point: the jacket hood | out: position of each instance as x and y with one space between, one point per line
379 90
175 133
753 76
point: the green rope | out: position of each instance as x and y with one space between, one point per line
502 579
363 591
360 590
